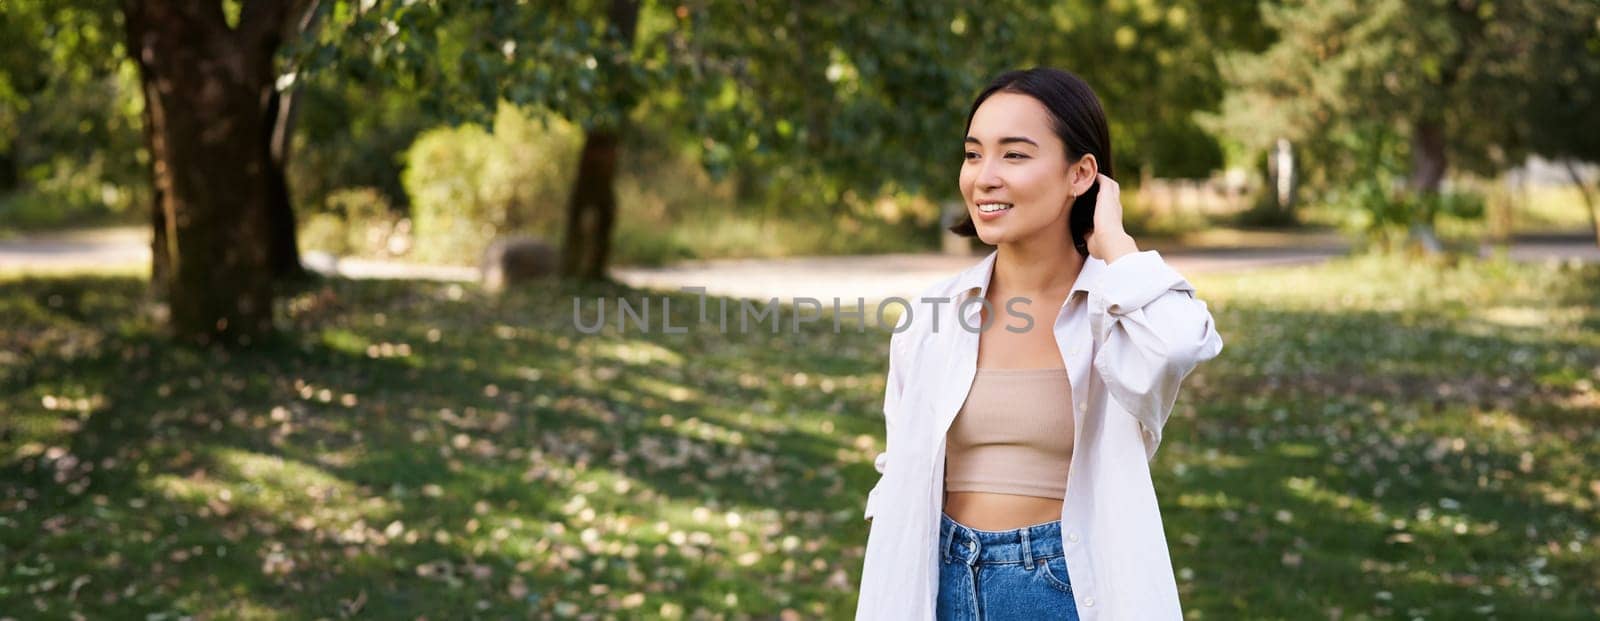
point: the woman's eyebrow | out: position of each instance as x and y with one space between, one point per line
1006 140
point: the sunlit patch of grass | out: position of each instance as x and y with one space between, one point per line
226 605
1311 489
676 393
737 234
1550 208
270 484
641 352
1213 500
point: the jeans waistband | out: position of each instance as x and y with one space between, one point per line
1020 545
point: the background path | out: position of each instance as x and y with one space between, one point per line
872 277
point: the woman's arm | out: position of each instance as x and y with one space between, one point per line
1151 329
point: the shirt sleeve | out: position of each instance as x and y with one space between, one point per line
894 388
1151 332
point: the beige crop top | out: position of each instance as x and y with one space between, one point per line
1013 435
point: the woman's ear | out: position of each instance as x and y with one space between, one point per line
1083 173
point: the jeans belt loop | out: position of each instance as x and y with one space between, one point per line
1027 551
949 540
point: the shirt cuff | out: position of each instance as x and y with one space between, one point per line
1136 279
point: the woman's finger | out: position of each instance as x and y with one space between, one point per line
1107 183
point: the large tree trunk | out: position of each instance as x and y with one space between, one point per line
592 210
1428 165
206 89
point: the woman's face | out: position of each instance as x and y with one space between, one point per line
1013 158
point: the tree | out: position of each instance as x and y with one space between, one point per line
1450 78
1561 119
462 59
208 80
828 98
592 209
713 71
1154 65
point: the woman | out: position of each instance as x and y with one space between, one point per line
1016 481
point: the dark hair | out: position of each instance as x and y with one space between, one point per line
1079 121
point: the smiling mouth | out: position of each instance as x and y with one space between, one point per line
994 207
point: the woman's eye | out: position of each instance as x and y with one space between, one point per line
971 155
1018 155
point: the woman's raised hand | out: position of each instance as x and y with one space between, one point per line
1109 241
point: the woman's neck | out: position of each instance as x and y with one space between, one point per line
1037 267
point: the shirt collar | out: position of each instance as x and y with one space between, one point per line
974 282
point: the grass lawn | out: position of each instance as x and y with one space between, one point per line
1378 439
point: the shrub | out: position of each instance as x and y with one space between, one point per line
325 232
357 221
468 185
69 191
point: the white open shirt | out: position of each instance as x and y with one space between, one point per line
1129 332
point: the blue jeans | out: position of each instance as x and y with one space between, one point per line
1010 574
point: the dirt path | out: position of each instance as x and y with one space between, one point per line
872 277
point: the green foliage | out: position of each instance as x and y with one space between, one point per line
70 143
357 221
1560 120
671 207
804 106
806 102
1349 82
468 185
74 191
1385 213
1154 66
326 232
351 134
462 59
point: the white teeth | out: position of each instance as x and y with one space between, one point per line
993 207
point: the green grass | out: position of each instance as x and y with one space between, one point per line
728 234
1559 208
1377 440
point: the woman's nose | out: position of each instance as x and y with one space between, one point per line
988 179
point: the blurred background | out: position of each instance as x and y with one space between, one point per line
288 295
